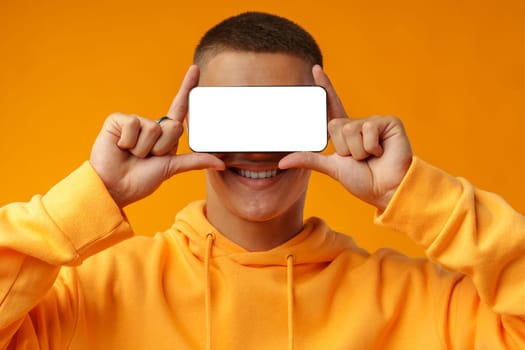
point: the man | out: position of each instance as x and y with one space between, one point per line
244 270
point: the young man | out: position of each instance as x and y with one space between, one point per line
243 270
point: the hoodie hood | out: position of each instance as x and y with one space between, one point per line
316 243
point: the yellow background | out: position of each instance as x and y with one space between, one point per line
453 71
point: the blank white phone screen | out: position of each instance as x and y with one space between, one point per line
257 119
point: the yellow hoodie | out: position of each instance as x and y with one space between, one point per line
191 288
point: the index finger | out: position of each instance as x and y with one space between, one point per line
179 106
335 106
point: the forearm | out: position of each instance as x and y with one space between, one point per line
75 219
464 230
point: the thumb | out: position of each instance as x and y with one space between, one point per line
309 160
192 161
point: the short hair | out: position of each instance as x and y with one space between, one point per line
258 32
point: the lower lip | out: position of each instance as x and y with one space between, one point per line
257 184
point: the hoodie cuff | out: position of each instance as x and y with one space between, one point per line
422 204
85 212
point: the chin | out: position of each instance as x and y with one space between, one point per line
280 198
258 212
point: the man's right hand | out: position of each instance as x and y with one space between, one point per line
134 155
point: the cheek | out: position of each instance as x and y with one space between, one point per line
300 185
214 184
299 182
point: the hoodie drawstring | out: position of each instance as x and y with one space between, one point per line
290 294
210 238
207 288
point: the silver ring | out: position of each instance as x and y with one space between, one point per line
163 119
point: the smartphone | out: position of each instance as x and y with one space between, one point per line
257 119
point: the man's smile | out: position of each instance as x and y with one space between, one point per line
251 174
253 166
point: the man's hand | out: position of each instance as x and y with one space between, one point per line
371 155
134 155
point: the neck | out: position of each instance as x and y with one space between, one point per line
257 235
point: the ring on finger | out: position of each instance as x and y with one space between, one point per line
162 119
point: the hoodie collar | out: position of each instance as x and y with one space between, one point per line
316 242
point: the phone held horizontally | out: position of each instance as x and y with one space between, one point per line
257 119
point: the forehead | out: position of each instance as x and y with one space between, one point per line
255 68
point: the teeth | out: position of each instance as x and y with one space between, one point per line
257 174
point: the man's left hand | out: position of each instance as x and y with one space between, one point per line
371 157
